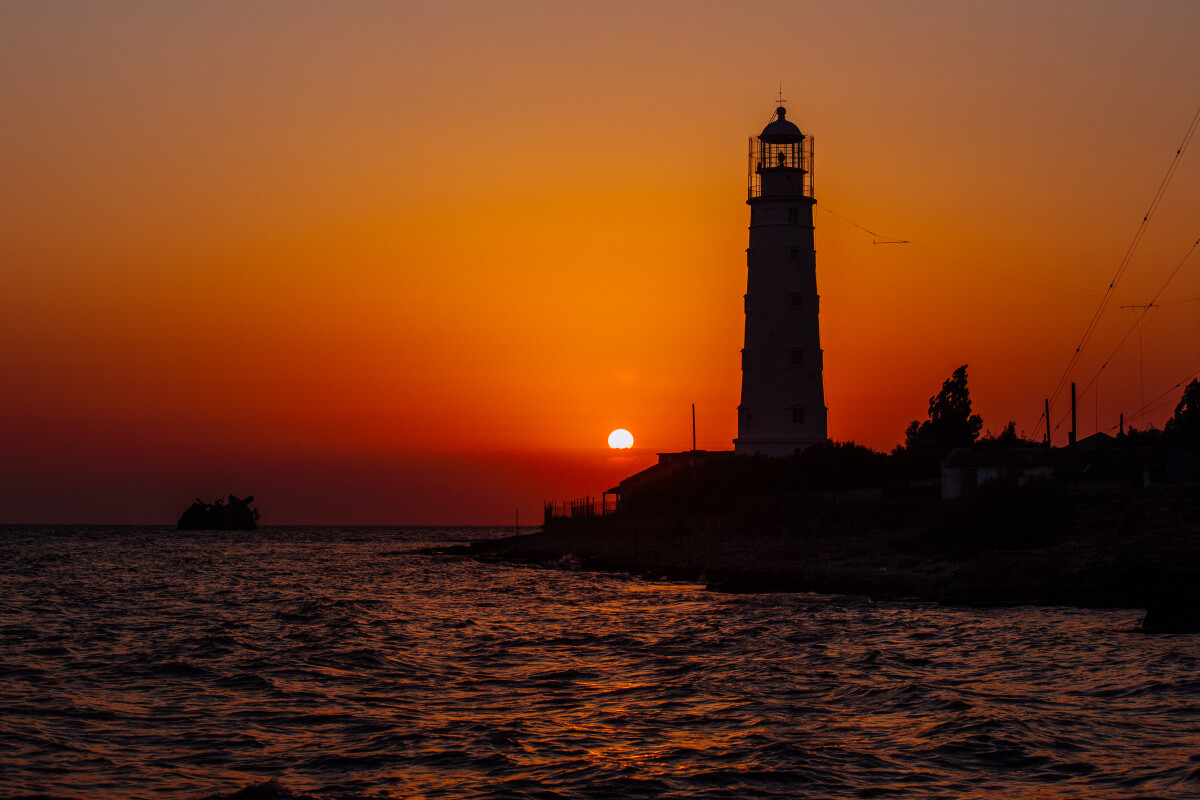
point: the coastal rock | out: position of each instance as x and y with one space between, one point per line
1174 609
232 515
1113 549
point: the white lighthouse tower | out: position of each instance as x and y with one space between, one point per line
783 395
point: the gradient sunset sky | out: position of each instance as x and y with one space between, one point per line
389 263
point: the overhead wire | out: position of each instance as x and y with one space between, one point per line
1145 310
955 260
1128 257
930 341
952 259
967 263
932 254
1148 407
1158 403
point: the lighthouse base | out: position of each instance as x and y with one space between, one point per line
775 448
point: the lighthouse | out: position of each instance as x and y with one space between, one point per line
782 406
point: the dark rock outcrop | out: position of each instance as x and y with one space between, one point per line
232 515
1116 549
1173 608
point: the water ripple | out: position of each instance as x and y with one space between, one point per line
344 663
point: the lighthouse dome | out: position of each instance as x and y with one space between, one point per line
779 130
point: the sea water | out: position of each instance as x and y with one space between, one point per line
344 662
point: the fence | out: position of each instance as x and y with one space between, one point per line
583 508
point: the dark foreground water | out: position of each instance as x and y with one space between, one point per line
146 663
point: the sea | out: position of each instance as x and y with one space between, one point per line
143 662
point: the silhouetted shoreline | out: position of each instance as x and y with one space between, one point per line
1113 549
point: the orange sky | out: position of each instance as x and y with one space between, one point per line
387 264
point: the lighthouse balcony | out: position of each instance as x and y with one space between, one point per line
780 169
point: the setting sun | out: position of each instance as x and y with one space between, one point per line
620 439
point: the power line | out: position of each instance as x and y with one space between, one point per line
966 263
852 222
1149 407
1156 403
1128 257
934 255
1145 310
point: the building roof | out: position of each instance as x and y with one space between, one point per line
779 130
1100 439
668 464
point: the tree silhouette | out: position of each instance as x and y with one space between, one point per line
1008 437
951 423
1186 419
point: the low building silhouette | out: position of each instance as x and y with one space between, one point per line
1095 463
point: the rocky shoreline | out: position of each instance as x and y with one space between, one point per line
1116 549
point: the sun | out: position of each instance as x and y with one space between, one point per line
620 439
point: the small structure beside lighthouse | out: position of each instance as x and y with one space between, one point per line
782 406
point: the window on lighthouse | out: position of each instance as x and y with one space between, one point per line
797 355
794 254
793 216
797 302
797 416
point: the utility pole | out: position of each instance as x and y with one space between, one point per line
1048 444
693 427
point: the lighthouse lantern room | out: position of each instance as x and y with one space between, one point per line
782 405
